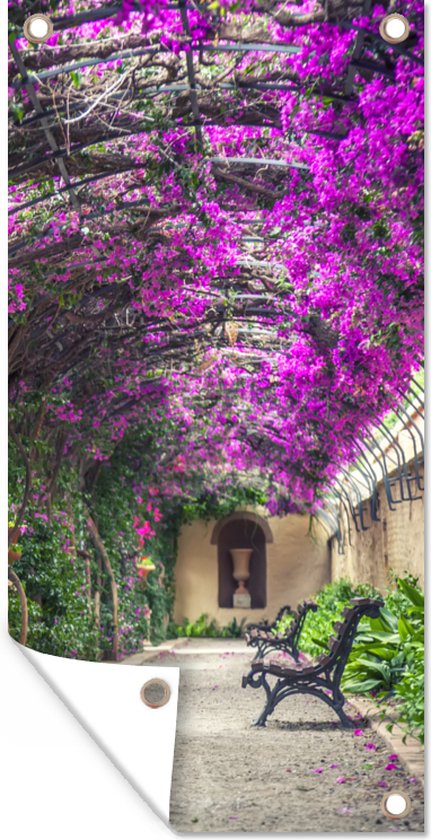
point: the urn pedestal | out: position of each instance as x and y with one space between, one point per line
241 572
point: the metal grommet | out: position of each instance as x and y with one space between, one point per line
155 693
37 28
396 804
394 28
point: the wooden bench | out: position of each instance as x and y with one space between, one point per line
264 638
320 677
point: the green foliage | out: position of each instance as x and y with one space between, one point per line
376 661
204 627
14 615
61 621
388 654
233 630
410 690
411 693
210 506
331 600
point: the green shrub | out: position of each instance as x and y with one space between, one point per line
61 622
377 660
388 655
331 601
410 691
206 628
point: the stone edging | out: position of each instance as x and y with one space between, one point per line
410 752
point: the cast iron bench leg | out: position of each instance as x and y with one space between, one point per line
269 707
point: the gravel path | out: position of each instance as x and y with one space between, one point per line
230 776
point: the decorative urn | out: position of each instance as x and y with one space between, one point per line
241 572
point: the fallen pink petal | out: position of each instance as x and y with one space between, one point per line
358 732
391 766
341 780
370 746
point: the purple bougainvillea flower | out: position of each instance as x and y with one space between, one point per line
393 757
383 783
333 766
370 746
358 732
317 770
413 780
391 766
341 780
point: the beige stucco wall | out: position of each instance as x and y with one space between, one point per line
395 543
297 566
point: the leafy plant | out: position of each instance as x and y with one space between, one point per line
209 628
61 620
388 655
376 661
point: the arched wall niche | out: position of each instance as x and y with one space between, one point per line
242 530
242 515
297 566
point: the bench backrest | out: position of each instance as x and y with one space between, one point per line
295 628
286 609
340 644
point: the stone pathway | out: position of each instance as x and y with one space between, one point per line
301 773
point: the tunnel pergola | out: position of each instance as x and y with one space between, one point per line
202 230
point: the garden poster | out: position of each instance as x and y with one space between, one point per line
216 396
